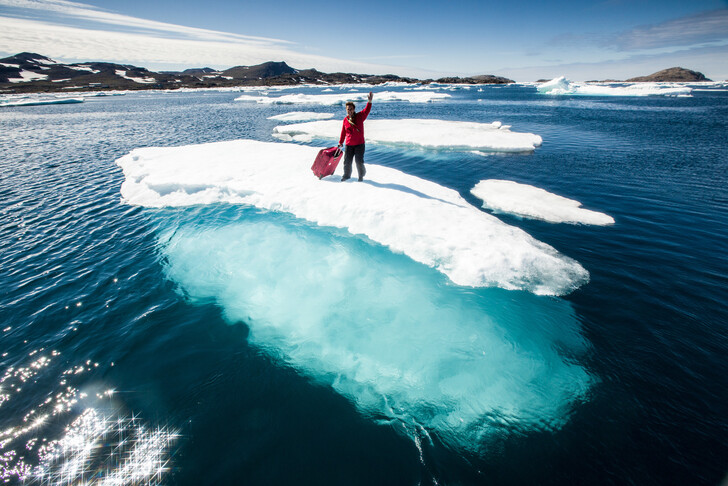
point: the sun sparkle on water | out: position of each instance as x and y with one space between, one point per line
100 446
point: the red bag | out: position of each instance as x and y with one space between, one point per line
326 162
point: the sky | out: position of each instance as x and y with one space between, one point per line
523 40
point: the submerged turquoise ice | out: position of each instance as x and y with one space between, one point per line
395 337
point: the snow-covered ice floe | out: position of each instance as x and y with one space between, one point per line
425 133
298 116
40 101
429 223
535 203
341 98
562 86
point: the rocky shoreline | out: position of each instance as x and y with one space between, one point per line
33 73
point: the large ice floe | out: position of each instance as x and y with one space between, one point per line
38 101
535 203
562 86
341 98
424 133
298 116
429 223
468 365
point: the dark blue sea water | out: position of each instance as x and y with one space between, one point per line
112 371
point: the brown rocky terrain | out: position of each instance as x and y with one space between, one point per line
31 73
674 74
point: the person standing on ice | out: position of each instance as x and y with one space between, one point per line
353 134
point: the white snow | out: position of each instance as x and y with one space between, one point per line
28 76
85 68
295 116
147 80
16 66
562 86
426 133
535 203
429 223
341 98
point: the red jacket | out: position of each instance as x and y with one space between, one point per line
354 134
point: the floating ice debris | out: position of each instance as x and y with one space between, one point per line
535 203
429 223
297 116
340 99
562 86
39 101
383 331
436 134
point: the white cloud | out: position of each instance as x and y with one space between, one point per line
151 44
686 31
79 11
72 43
711 61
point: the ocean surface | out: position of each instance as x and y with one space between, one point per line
220 343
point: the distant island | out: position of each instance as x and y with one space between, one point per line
28 72
670 75
675 74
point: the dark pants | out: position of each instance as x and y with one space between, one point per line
354 151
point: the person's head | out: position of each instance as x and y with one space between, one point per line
350 108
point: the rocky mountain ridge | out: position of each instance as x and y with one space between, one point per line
29 72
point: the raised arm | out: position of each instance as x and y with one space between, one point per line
365 112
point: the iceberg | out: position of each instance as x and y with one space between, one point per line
297 116
422 133
429 223
562 86
342 98
532 202
384 332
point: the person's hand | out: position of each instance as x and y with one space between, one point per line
371 95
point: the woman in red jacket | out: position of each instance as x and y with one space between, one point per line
353 133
